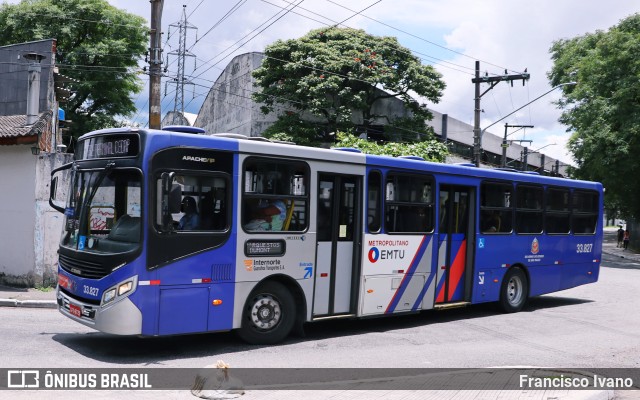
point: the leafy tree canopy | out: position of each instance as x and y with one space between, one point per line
603 109
333 76
431 150
97 44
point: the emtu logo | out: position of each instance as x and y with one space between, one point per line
374 254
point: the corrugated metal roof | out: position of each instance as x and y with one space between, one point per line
13 126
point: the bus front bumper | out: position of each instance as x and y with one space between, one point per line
119 318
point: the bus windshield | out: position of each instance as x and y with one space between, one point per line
102 214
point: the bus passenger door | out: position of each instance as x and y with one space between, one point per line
338 247
456 216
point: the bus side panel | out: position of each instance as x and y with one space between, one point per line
183 309
188 288
398 274
296 263
553 263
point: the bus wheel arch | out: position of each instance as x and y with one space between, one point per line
270 313
514 290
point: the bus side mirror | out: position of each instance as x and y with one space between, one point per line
53 189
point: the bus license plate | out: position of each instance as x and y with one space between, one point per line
75 310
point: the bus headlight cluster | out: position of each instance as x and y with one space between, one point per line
120 290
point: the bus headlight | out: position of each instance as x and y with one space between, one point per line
125 288
122 289
108 296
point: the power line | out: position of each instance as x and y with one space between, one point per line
419 38
233 9
277 18
410 52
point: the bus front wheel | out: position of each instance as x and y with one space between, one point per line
514 291
268 315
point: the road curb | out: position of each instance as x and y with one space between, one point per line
28 303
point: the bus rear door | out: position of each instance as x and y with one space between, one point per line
455 249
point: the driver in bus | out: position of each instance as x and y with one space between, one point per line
190 220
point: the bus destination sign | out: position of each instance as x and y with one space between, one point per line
110 146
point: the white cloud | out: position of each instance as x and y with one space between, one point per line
512 34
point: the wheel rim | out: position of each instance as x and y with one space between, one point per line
266 312
514 290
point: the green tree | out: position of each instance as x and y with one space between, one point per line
431 150
97 44
334 76
603 110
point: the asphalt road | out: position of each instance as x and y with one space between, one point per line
590 326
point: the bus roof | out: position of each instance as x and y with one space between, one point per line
259 145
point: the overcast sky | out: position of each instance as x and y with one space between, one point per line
450 34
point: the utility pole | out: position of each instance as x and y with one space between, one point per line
155 63
505 143
525 159
183 25
492 80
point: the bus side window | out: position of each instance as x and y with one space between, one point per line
584 218
529 216
495 207
409 204
275 195
557 212
193 203
374 202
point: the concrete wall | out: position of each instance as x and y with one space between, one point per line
48 223
13 72
17 214
29 227
228 106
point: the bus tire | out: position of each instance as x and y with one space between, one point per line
514 291
269 314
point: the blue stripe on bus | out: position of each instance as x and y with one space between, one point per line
432 275
409 274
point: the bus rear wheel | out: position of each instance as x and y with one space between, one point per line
514 291
268 315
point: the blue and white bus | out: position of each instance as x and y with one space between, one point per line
167 232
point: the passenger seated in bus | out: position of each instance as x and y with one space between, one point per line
491 222
268 217
190 220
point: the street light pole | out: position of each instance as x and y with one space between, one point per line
505 143
513 112
525 162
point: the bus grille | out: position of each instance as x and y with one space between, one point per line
222 272
85 269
